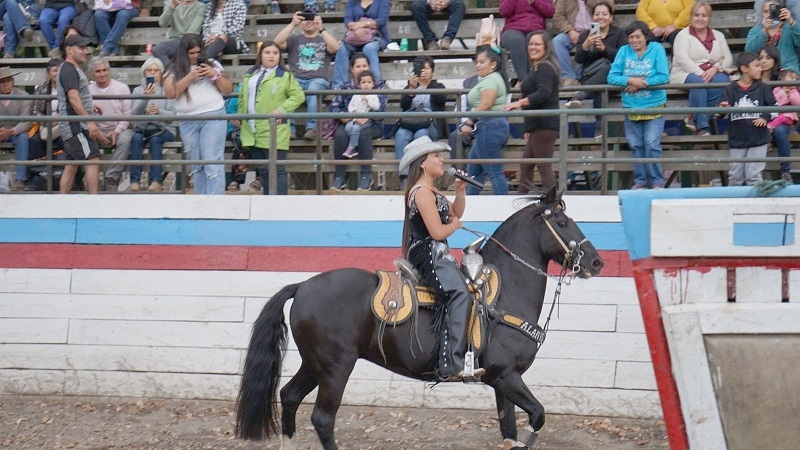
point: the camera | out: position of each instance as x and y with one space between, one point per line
594 28
775 12
418 66
308 14
202 60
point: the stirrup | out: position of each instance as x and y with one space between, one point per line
474 378
406 269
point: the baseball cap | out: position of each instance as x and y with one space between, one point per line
77 41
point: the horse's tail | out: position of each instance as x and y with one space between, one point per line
256 406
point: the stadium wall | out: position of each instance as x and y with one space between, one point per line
155 295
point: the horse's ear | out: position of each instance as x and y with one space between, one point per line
552 197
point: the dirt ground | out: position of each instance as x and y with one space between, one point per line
36 422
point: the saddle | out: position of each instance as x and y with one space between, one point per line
398 297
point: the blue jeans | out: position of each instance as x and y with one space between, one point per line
48 17
13 24
420 11
312 84
561 46
704 97
341 65
487 143
404 136
111 26
205 139
313 3
156 154
644 139
263 171
21 145
781 136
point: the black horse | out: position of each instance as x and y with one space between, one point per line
333 326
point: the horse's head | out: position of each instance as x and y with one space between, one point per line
565 243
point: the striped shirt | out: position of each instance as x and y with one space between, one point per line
71 77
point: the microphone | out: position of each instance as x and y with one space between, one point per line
452 171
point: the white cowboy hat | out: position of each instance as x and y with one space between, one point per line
5 72
418 148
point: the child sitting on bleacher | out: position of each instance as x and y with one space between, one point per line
360 103
783 124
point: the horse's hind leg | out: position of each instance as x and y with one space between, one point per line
514 389
329 398
301 384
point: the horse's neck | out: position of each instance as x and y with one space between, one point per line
522 288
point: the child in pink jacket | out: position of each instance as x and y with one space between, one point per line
785 96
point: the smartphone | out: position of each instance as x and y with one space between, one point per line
594 28
202 60
418 65
149 81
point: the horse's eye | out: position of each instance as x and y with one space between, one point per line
562 224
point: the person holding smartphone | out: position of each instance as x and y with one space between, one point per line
783 33
412 129
154 132
571 18
597 47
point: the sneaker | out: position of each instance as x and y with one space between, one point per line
658 186
313 7
54 54
570 82
702 132
155 186
433 45
275 7
310 135
598 130
787 177
573 103
445 44
637 187
9 55
18 185
350 152
689 122
365 183
112 185
27 34
135 187
330 8
338 184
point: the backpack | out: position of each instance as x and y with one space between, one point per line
488 34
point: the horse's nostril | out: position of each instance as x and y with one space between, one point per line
598 263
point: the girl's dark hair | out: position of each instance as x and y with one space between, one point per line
606 4
364 74
785 73
549 53
414 172
212 8
265 44
639 25
355 57
495 55
180 65
773 52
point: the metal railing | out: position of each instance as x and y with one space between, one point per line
562 161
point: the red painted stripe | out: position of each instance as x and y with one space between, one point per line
197 257
659 353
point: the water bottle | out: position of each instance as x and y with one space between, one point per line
275 7
404 45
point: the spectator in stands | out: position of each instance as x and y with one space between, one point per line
239 153
181 17
74 99
360 103
155 132
701 55
309 58
111 134
595 51
422 9
60 12
784 124
783 33
539 91
38 142
11 130
198 90
770 59
571 18
665 17
362 18
15 26
412 129
522 18
339 104
268 88
490 134
223 28
638 65
111 17
793 5
748 134
459 143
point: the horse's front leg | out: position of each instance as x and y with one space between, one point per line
513 390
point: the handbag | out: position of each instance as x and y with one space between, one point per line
595 68
367 36
414 124
148 129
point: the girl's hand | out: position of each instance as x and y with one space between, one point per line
152 109
465 129
512 106
760 122
709 74
149 89
460 184
599 44
724 104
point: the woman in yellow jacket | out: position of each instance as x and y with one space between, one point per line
665 18
268 88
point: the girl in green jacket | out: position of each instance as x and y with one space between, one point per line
268 88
